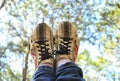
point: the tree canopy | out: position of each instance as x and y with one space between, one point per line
97 22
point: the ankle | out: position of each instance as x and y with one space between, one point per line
47 62
62 61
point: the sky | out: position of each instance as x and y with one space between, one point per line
4 17
18 63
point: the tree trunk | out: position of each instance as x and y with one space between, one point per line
2 4
25 68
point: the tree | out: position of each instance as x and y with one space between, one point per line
97 25
2 4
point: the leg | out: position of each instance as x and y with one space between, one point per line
67 46
69 72
41 48
44 73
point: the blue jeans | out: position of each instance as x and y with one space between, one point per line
66 72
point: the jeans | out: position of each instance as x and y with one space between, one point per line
66 72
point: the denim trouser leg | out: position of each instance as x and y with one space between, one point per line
44 73
69 72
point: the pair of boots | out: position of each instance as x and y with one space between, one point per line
45 47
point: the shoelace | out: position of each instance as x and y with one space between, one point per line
64 45
43 50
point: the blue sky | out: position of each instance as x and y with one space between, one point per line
94 51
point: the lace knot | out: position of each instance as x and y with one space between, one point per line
43 49
64 45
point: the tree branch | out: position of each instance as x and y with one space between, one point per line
2 4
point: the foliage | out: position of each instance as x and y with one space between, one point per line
98 24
